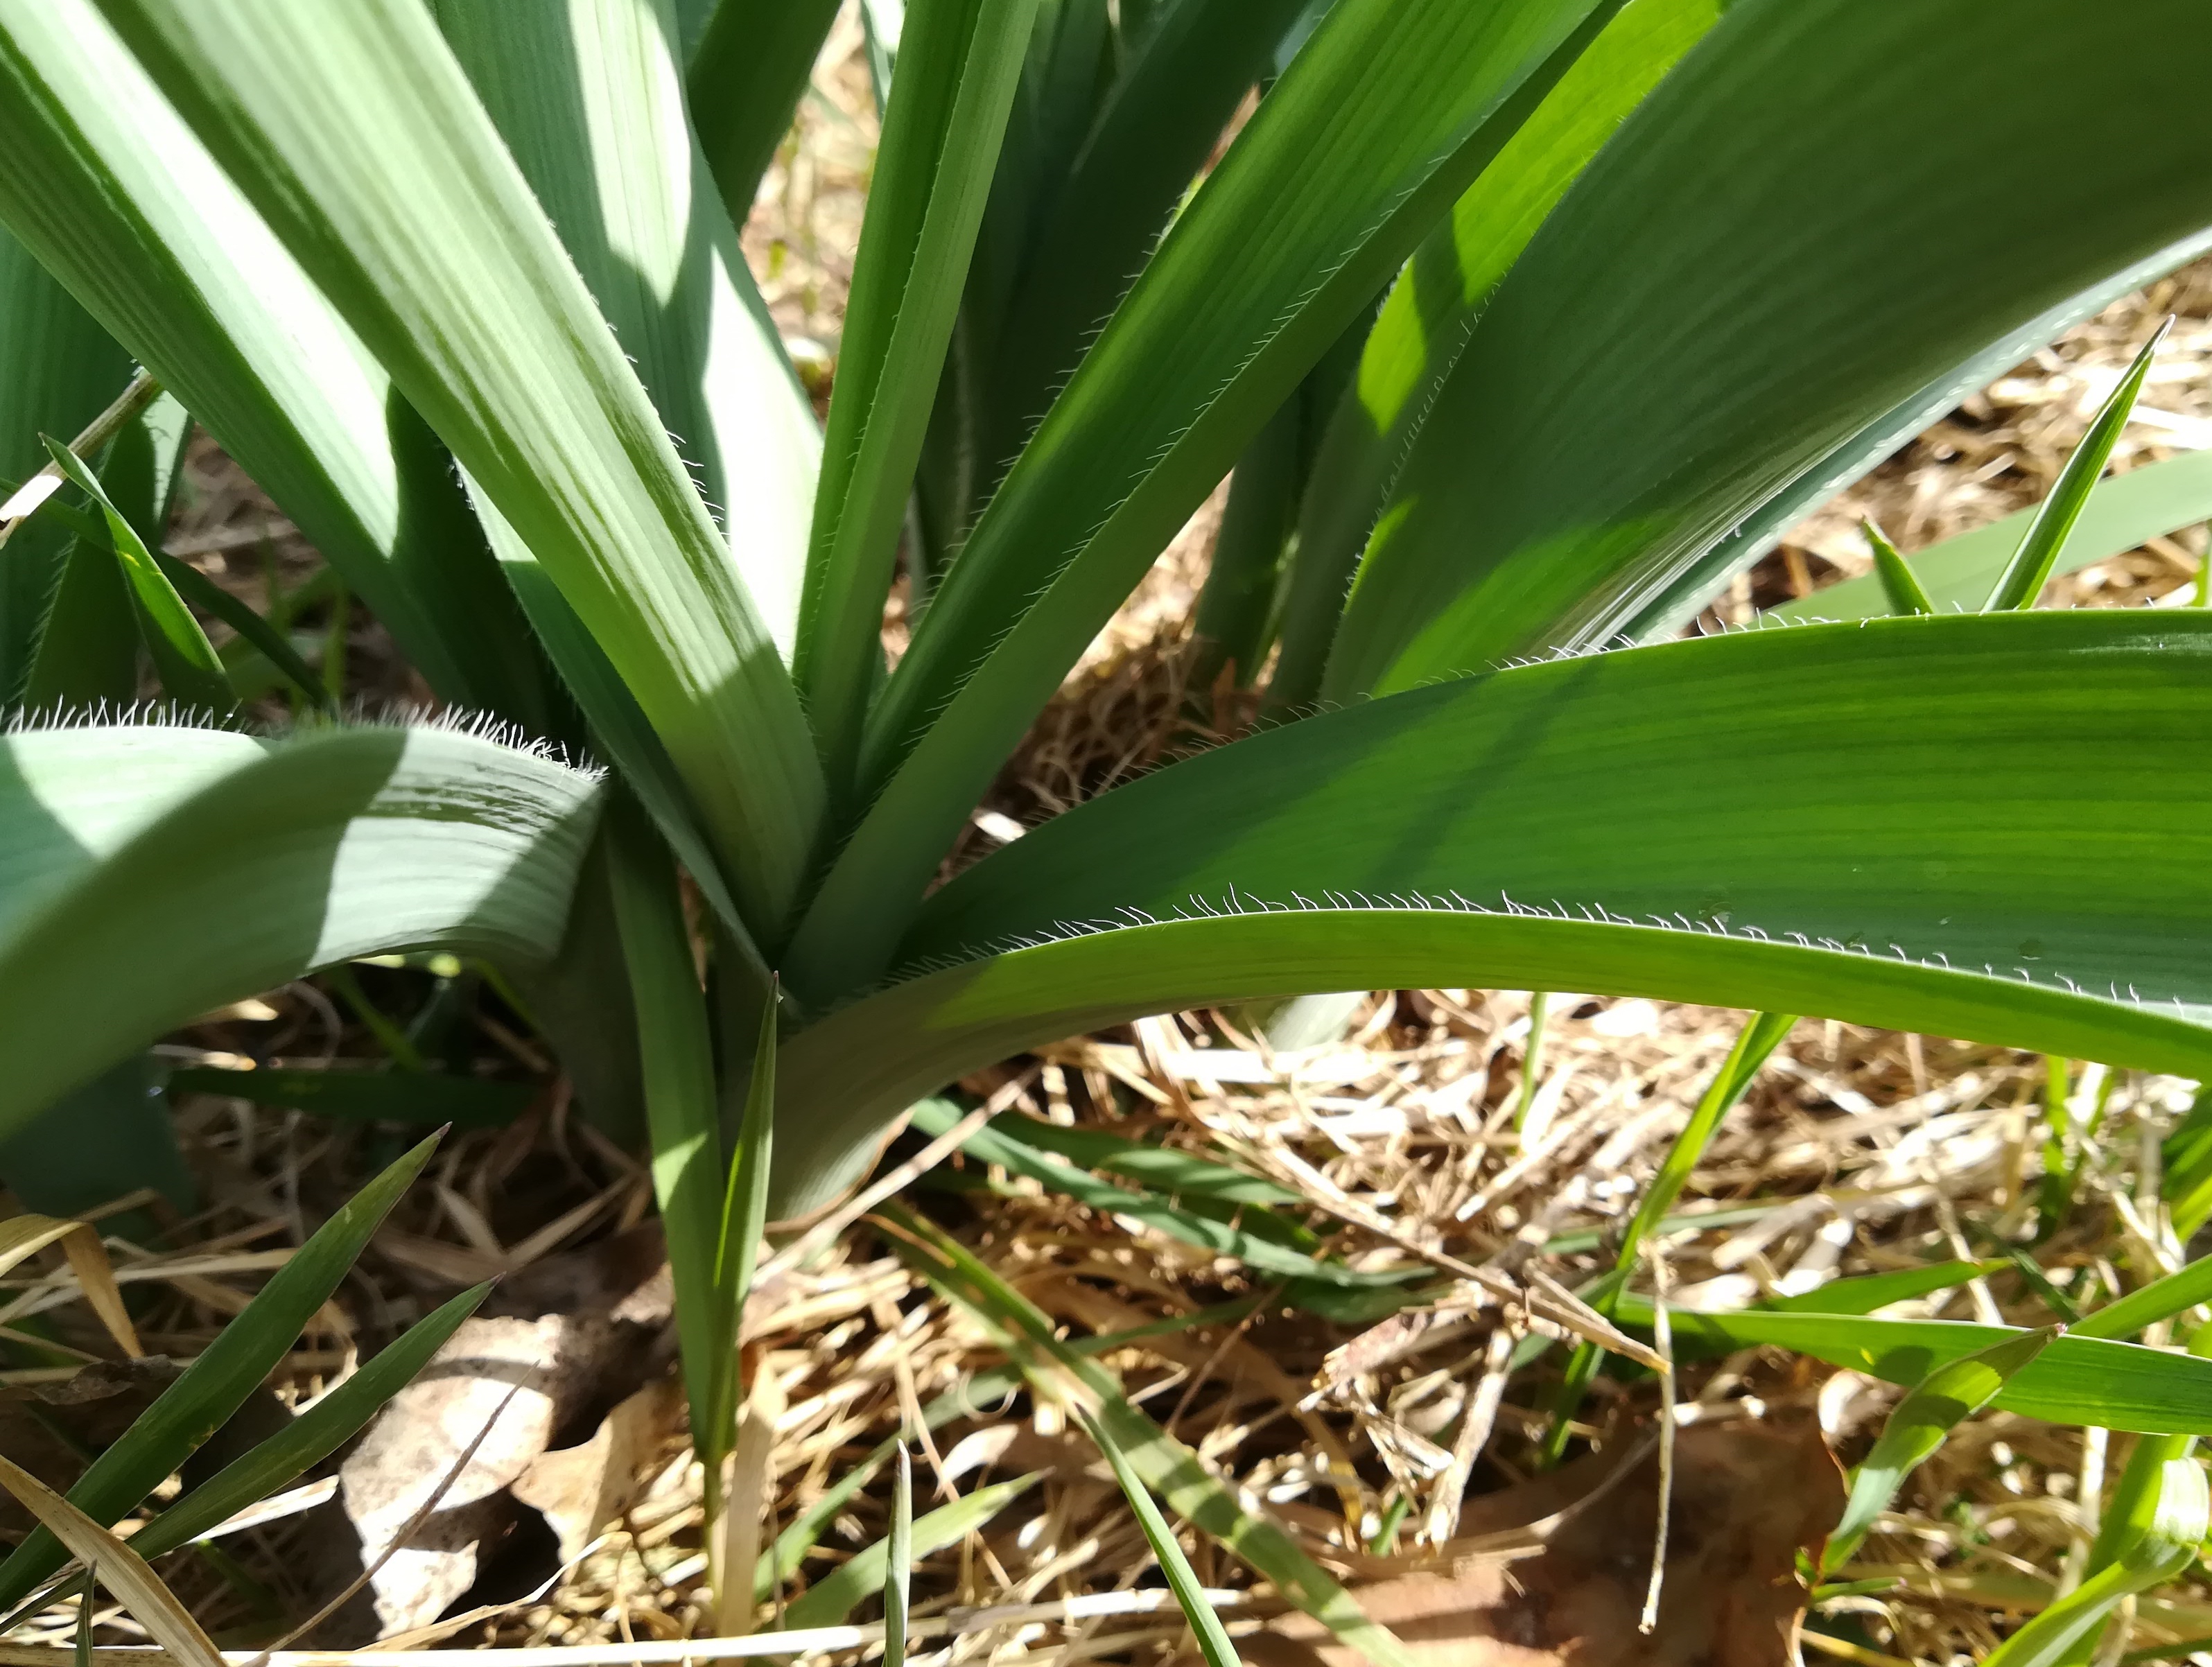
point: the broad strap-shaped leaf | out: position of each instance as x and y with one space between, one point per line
1557 826
148 872
590 100
1666 357
1160 121
1380 123
356 132
1433 308
1957 573
1662 611
58 369
115 195
959 60
747 72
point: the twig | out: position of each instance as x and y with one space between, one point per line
140 393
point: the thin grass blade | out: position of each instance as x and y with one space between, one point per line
2025 576
1206 1627
1899 584
1066 1376
898 1561
2167 1547
863 1575
125 1573
1917 1426
312 1437
190 669
216 1383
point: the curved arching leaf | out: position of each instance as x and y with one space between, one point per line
148 872
1768 819
1668 355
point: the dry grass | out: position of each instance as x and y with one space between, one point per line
1863 1151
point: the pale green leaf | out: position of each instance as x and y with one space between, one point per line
357 134
149 874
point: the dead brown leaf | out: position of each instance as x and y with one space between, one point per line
1746 1496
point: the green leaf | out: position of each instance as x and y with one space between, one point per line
2132 1512
680 1107
2025 576
2162 1298
2186 1168
1383 119
1917 1426
87 649
1644 381
1093 228
2168 1545
1058 1372
986 1145
958 63
218 1381
151 873
192 585
2076 1380
1233 626
356 134
745 1217
1900 587
1164 1170
1868 1292
53 1170
57 368
115 195
898 1561
1206 1626
402 1096
1757 1039
1475 824
182 654
1433 307
861 1576
782 1560
747 72
590 101
312 1437
2123 512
